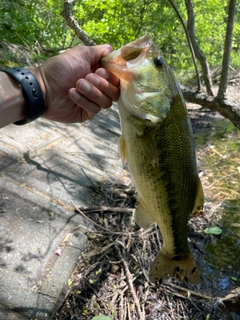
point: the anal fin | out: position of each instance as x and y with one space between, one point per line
199 199
141 217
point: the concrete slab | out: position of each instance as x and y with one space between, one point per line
8 314
45 168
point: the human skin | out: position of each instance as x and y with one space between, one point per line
73 87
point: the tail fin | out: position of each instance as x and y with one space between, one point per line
182 268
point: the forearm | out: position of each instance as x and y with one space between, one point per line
12 101
56 90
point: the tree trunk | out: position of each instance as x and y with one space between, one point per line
198 53
227 51
199 89
228 109
72 23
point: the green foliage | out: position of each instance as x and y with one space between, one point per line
120 21
35 24
38 24
114 21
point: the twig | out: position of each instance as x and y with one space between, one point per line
95 188
96 224
114 298
98 296
130 283
143 311
191 292
129 242
97 251
77 210
106 209
98 190
121 312
224 177
92 267
129 312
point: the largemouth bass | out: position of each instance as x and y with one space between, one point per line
157 145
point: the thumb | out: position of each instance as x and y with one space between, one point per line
97 52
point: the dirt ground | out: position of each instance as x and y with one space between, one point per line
111 278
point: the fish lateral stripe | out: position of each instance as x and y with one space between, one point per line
179 176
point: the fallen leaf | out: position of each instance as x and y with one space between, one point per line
213 230
70 282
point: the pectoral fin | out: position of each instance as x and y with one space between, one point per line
122 150
199 200
141 217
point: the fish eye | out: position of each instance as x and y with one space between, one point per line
158 61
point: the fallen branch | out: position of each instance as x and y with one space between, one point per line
143 233
228 109
130 283
106 209
187 291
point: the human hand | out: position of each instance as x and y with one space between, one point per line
72 91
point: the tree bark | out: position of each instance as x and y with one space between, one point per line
189 43
227 51
72 23
198 53
228 109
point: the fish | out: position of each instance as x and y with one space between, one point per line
157 145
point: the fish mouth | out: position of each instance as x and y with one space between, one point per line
120 60
133 49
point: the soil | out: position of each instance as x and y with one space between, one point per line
111 278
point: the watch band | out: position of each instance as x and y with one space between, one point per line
32 92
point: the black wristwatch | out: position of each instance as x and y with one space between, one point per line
32 92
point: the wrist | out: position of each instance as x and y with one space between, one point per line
31 90
36 71
12 101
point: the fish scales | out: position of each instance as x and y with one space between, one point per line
163 178
158 146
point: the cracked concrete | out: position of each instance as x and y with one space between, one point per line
45 171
